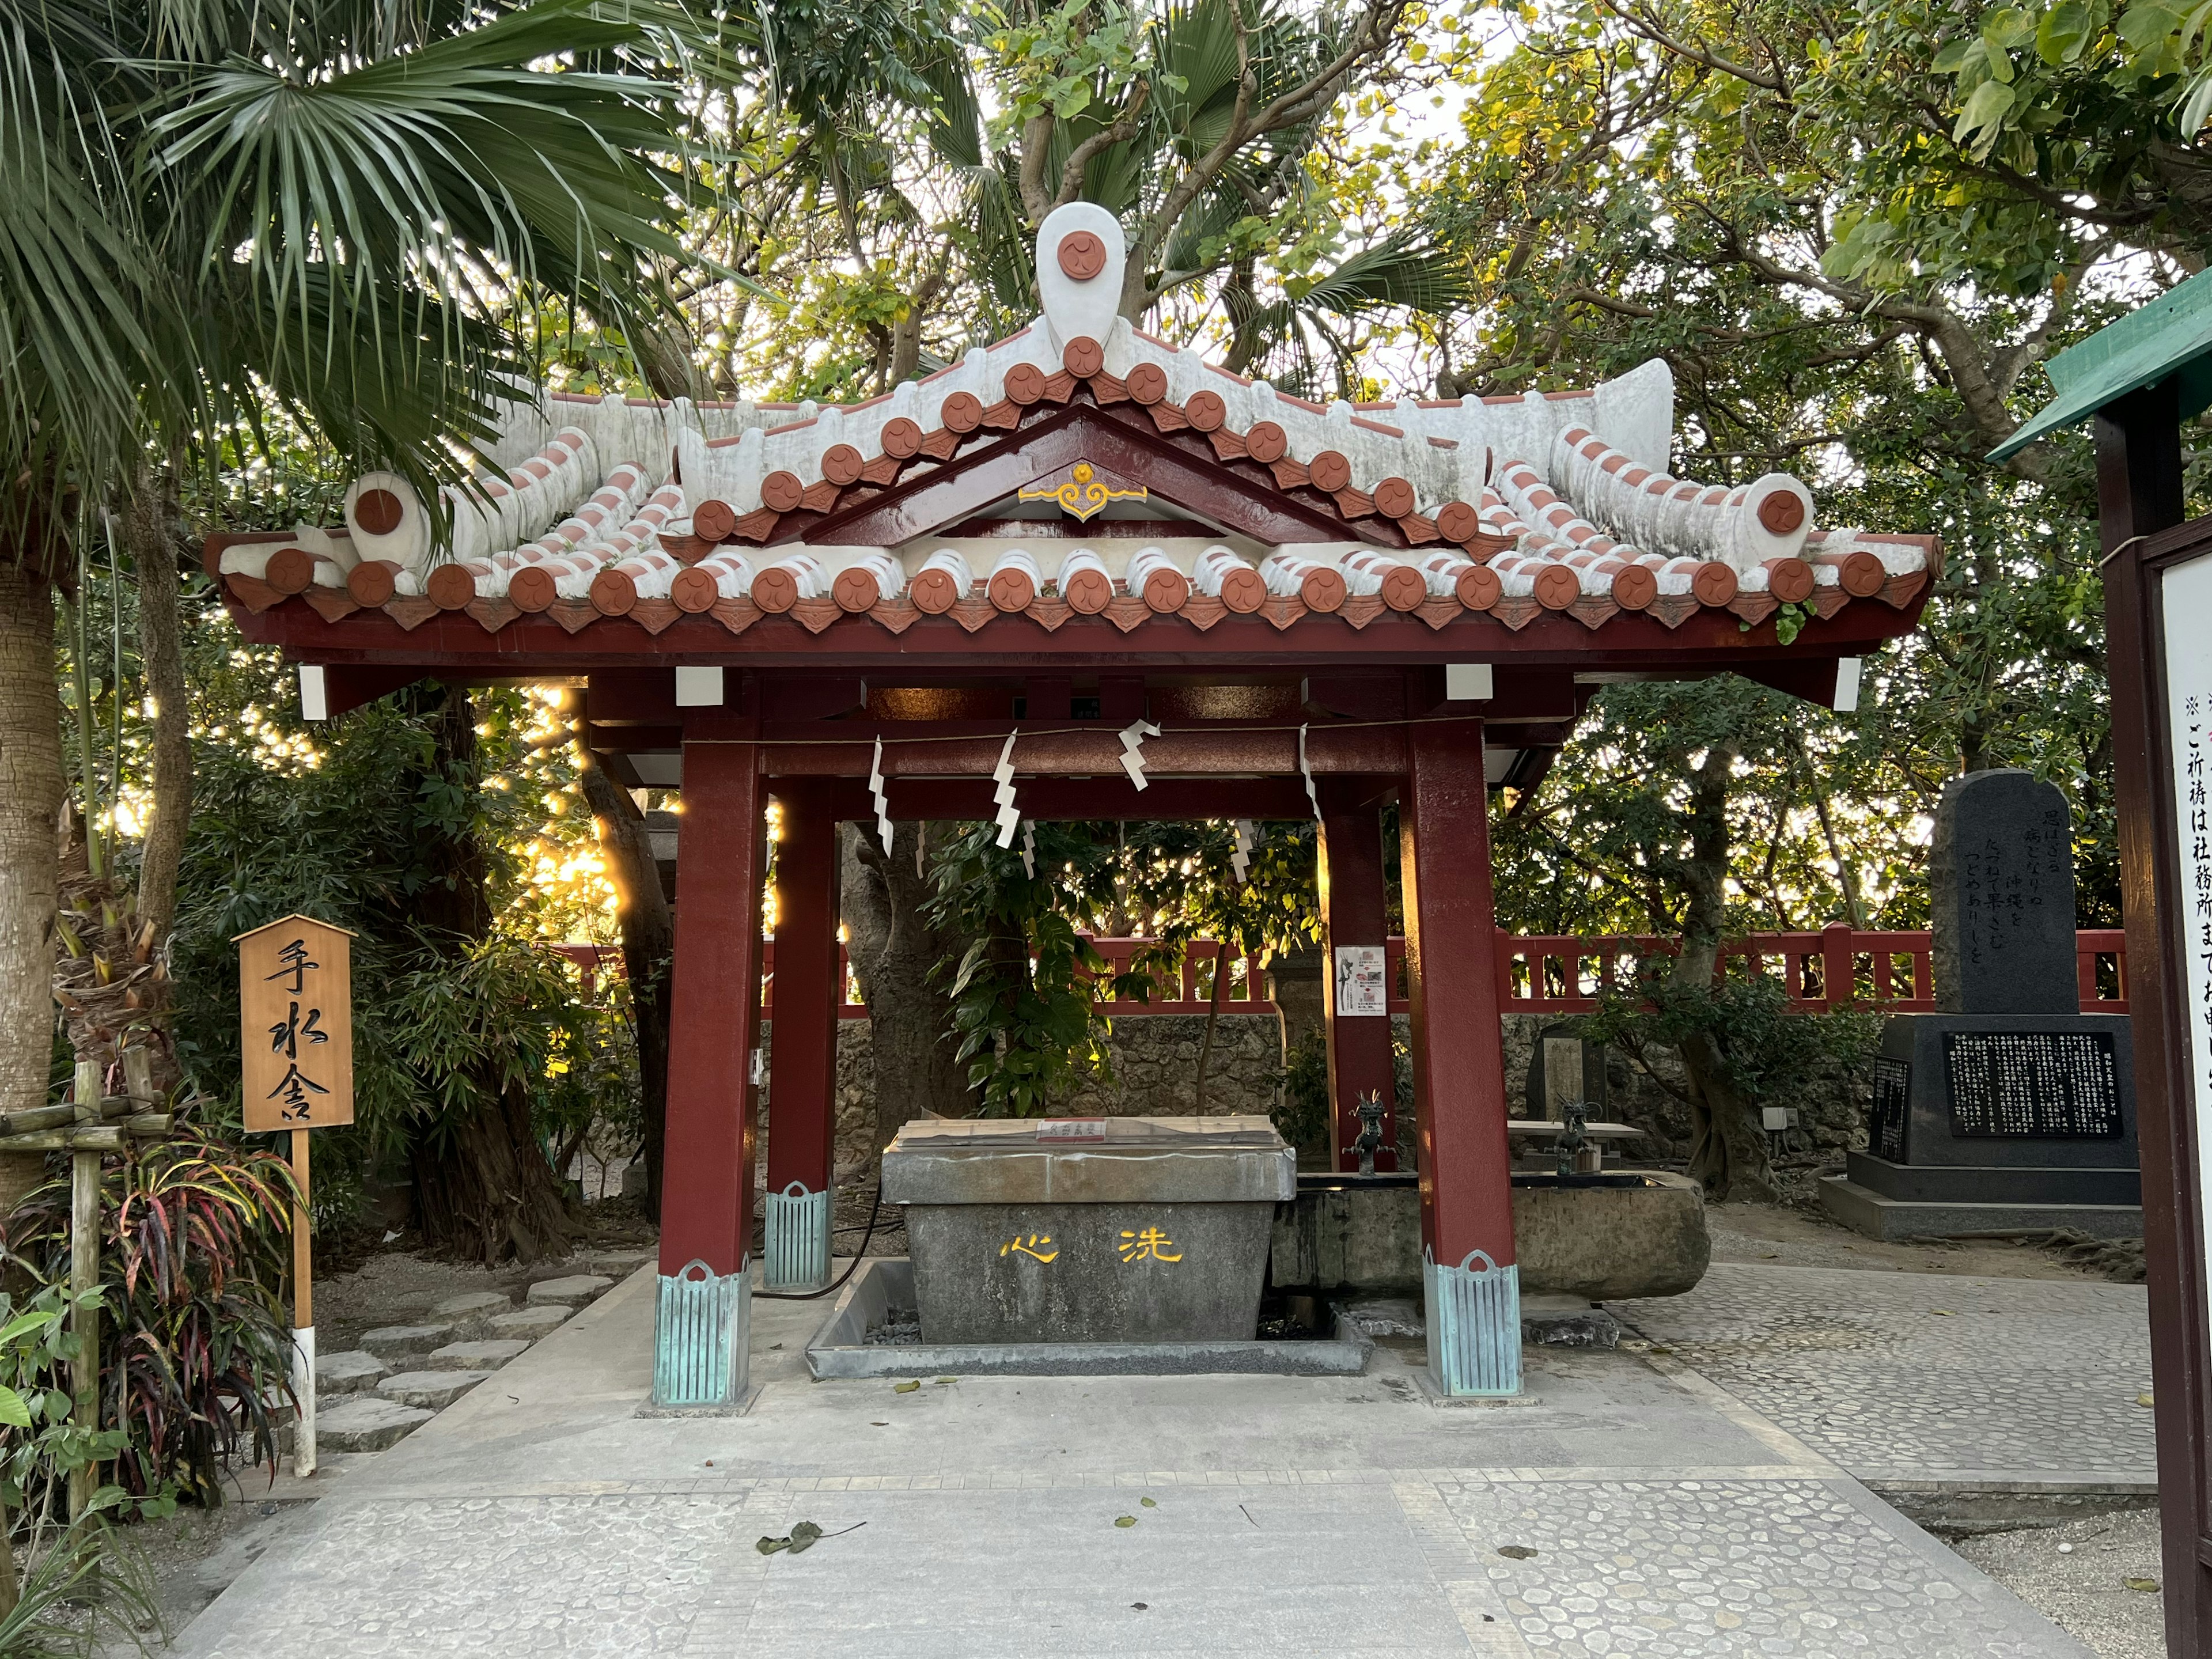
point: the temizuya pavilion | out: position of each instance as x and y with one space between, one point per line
1077 534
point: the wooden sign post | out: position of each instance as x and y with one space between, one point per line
295 1034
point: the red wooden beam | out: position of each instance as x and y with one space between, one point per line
1353 913
809 985
707 1187
1459 1068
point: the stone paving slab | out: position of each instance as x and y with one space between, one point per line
391 1342
573 1291
350 1371
524 1324
431 1390
487 1355
1292 1516
1913 1376
368 1423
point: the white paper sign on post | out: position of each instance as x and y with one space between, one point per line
1363 980
2186 600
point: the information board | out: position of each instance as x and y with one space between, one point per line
1893 1097
2186 599
2043 1084
1363 980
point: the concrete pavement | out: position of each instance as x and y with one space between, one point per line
1631 1506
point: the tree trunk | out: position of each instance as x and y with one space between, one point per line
893 948
483 1187
1728 1153
160 648
1212 1025
648 935
30 811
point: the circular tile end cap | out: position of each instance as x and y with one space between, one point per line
1783 511
1082 255
1266 442
529 588
1456 521
1206 411
369 582
694 590
1244 590
1790 580
1010 590
962 412
1148 383
377 511
934 592
450 587
855 589
1025 383
901 438
714 520
1558 586
1862 575
1322 590
613 592
1394 499
1478 587
289 570
1088 592
776 591
781 492
1165 590
1404 587
842 465
1083 357
1329 472
1714 584
1634 586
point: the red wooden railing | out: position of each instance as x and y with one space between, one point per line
1837 965
1539 973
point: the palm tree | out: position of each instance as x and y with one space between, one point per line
349 213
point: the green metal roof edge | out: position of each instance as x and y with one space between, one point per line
2140 349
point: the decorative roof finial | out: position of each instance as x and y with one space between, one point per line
1080 257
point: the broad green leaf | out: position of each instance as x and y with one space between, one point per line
15 1410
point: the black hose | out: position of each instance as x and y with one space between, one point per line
874 1210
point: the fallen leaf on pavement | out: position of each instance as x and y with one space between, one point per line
2143 1584
1125 1520
1517 1552
904 1388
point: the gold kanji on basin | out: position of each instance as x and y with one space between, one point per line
1149 1245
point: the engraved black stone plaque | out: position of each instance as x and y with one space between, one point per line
1892 1102
2043 1084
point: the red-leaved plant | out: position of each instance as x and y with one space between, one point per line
195 1345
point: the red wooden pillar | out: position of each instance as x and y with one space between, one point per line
1458 1067
1353 914
707 1187
802 1078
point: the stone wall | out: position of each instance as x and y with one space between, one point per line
1155 1061
1155 1058
1831 1105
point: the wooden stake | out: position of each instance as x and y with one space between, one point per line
303 1312
84 1275
303 1245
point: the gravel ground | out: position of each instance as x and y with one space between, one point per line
2086 1590
1761 1234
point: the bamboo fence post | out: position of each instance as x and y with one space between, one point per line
303 1312
84 1275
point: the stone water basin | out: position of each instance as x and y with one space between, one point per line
1602 1237
1113 1229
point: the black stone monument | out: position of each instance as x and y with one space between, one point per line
2009 1107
